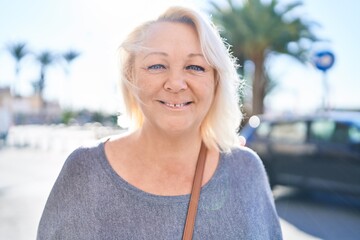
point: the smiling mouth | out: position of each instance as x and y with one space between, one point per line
176 105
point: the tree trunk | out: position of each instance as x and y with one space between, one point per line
41 87
258 87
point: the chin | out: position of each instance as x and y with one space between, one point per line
178 127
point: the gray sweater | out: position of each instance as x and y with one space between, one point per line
90 201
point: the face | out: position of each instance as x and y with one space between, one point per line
176 84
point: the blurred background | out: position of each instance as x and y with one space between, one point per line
58 89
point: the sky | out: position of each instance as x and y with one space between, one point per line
96 28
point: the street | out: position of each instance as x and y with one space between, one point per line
323 215
28 171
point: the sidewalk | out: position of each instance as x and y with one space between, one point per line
29 166
26 177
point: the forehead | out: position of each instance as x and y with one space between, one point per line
178 34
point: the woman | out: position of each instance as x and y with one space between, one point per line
179 85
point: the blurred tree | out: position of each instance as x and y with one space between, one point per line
18 51
67 116
45 59
255 29
69 57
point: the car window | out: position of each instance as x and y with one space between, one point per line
322 130
263 130
354 134
341 133
288 132
330 131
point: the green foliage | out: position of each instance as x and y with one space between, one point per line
255 30
82 117
67 116
70 55
47 58
18 51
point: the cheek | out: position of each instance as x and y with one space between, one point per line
211 97
212 92
209 88
147 86
206 91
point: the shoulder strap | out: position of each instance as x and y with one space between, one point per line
195 194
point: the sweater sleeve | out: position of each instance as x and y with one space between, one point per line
267 205
257 190
66 200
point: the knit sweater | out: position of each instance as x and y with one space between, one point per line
91 201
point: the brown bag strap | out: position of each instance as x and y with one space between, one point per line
195 194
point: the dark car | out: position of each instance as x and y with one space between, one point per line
321 151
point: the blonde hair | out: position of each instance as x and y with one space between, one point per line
220 125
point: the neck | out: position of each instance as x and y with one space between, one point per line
160 164
173 148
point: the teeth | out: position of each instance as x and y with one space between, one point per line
179 105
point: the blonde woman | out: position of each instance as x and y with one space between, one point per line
179 84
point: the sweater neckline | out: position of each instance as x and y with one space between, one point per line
122 184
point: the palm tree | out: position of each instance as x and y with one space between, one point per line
255 30
69 57
18 51
45 59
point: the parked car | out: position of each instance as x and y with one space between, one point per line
321 151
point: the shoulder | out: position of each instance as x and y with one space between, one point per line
81 166
85 153
81 162
245 164
71 192
245 157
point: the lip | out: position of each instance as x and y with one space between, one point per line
175 105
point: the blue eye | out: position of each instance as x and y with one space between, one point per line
156 67
195 68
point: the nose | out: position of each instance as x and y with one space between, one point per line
176 81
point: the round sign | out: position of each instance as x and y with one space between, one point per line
324 60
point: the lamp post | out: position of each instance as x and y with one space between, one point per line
324 60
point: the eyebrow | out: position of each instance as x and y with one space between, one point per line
196 55
191 55
155 53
